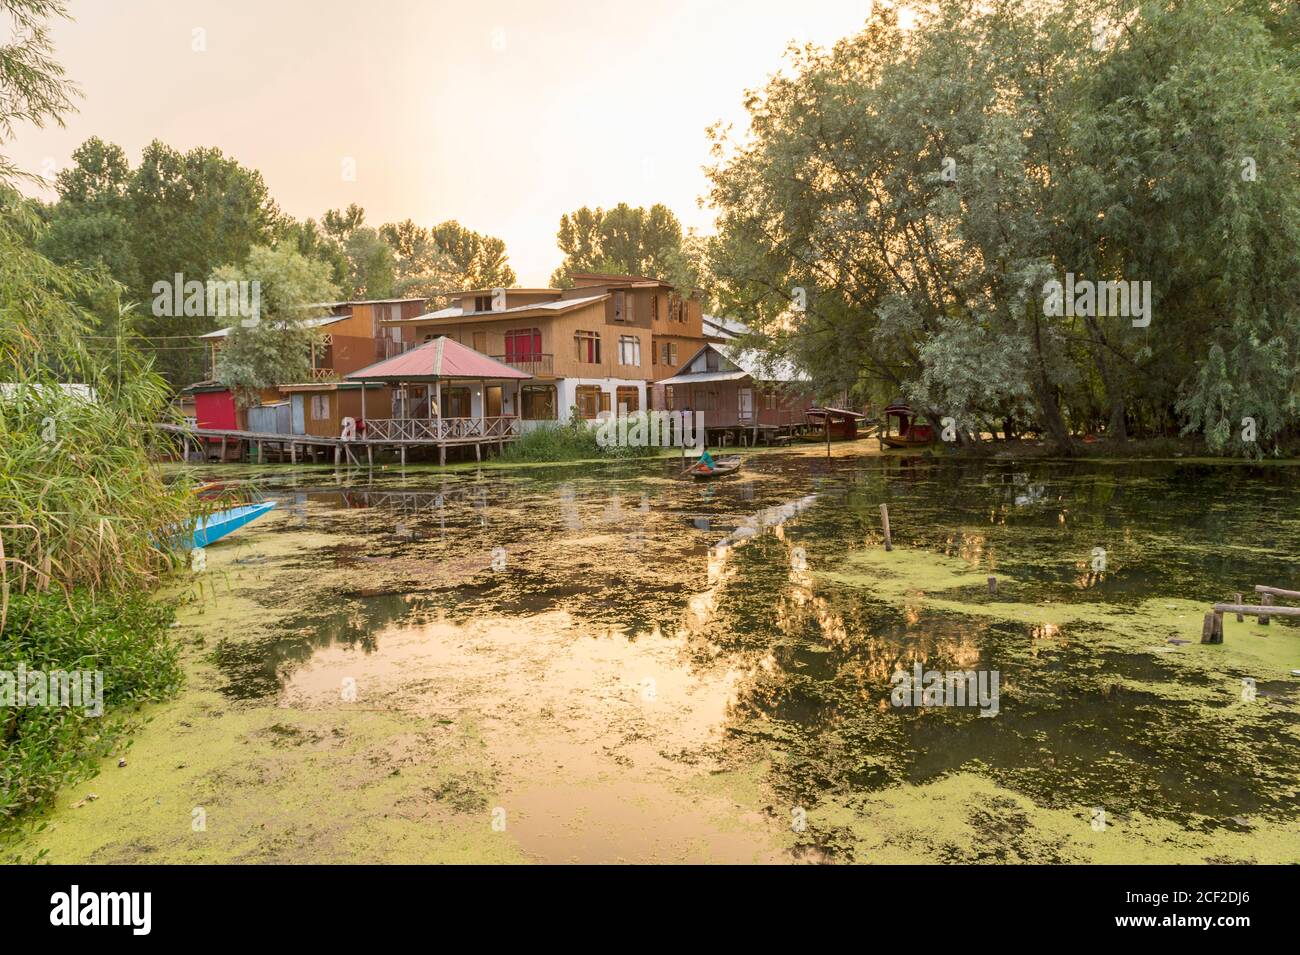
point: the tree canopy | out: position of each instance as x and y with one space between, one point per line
901 202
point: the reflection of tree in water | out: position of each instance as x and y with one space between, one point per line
1073 727
258 668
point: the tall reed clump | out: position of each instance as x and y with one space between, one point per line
576 441
83 509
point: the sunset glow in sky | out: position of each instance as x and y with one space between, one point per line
502 115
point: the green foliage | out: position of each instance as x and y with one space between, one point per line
277 348
32 83
48 747
79 495
918 188
575 441
620 241
82 502
447 257
176 213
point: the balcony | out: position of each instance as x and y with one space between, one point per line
534 363
323 374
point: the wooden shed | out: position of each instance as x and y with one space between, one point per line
319 407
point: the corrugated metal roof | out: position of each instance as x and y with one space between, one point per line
309 322
441 358
688 378
455 311
760 366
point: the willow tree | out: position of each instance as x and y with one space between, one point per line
273 346
901 201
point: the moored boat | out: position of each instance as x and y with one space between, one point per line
212 527
722 467
914 431
843 425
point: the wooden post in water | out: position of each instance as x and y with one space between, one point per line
884 517
1207 629
993 585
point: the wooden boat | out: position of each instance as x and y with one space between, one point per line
722 468
842 423
218 524
913 430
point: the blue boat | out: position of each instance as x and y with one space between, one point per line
220 523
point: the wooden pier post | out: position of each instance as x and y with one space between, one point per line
1212 628
1241 618
884 516
338 454
403 453
1265 600
370 455
993 585
293 452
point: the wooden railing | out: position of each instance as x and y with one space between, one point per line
535 363
322 374
441 429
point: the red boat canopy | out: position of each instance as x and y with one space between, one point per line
438 360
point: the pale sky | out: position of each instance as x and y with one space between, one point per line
501 114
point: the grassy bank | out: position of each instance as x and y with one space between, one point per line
116 648
82 506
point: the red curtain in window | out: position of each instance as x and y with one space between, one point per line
523 345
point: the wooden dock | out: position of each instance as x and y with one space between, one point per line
1212 629
395 434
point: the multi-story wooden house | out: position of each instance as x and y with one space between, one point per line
592 349
354 335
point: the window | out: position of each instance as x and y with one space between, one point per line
769 401
588 400
588 347
629 350
745 404
670 354
480 342
604 401
537 402
710 360
705 399
628 400
620 307
320 407
668 397
482 303
676 309
523 344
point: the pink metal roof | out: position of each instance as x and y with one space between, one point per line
441 358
